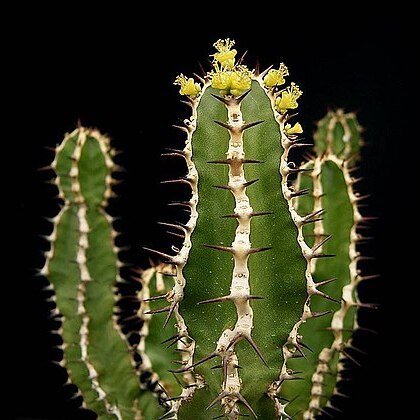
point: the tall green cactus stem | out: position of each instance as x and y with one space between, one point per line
337 143
252 127
82 267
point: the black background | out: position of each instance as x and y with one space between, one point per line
112 73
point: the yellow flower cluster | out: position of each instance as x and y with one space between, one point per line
228 77
188 86
287 99
232 82
225 55
276 77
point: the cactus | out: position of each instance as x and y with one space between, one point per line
260 300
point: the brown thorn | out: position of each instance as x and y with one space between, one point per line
362 197
171 311
241 59
180 203
367 305
239 99
186 103
251 342
364 258
45 168
158 311
245 403
172 225
176 181
300 192
265 71
224 125
178 235
368 330
329 405
204 359
257 67
222 187
179 127
162 254
325 296
233 216
203 81
324 282
229 161
214 300
313 214
154 298
322 242
324 412
166 415
177 151
351 358
256 250
219 248
251 124
218 398
251 297
170 338
350 346
252 161
247 184
221 99
322 255
295 144
320 313
306 222
288 117
353 169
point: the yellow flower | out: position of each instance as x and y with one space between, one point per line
221 80
288 98
240 81
225 55
276 77
188 86
296 129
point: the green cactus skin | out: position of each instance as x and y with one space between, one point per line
337 144
252 324
83 268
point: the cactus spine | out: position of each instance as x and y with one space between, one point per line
258 323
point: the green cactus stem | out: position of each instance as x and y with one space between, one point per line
337 144
241 313
83 268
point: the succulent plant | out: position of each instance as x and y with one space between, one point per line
254 314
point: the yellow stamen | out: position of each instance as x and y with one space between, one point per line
276 77
288 98
188 86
